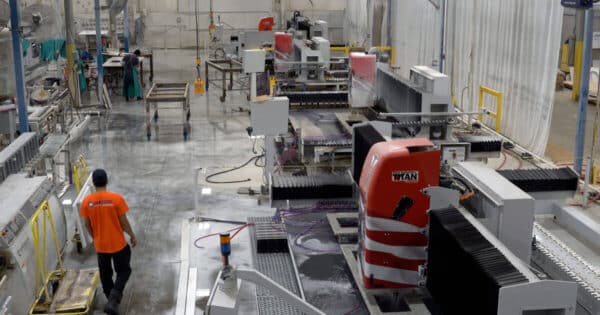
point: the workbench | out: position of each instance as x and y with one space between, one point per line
162 93
144 55
224 66
114 72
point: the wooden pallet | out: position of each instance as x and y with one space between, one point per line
75 294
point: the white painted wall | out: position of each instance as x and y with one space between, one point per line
171 23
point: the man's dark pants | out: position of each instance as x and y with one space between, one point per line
120 260
127 82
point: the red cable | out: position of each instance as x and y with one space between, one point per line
503 161
240 229
354 309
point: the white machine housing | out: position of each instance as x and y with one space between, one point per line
314 57
427 92
20 197
320 28
535 296
430 80
254 60
503 208
270 119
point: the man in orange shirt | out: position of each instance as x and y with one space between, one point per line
105 219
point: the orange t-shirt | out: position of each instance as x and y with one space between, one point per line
103 209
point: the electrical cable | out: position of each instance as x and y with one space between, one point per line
205 219
515 155
354 309
208 178
460 180
240 229
504 158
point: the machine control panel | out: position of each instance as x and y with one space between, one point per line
454 153
11 229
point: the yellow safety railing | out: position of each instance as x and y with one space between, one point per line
41 254
345 49
392 53
80 173
497 115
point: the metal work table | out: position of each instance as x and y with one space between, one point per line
144 55
114 68
168 93
224 66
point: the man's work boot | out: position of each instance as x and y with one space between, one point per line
112 306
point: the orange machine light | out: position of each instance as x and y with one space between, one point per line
266 23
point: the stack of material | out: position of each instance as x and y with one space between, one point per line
270 236
482 143
460 254
311 187
364 137
535 180
16 156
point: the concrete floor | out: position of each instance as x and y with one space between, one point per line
156 178
564 128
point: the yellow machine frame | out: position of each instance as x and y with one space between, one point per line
497 115
43 278
80 173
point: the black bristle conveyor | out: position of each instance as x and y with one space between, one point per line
317 98
311 187
537 180
482 143
270 237
364 137
459 256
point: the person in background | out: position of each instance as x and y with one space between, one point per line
105 218
131 85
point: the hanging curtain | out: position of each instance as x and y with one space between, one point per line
415 34
511 46
356 22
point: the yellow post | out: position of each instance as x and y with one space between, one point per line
76 177
392 53
45 213
577 72
564 58
498 113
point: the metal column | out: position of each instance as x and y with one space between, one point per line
69 32
15 28
99 58
579 35
126 27
443 12
584 89
72 74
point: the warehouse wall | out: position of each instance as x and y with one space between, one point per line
171 23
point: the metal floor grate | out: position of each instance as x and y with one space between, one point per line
280 268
